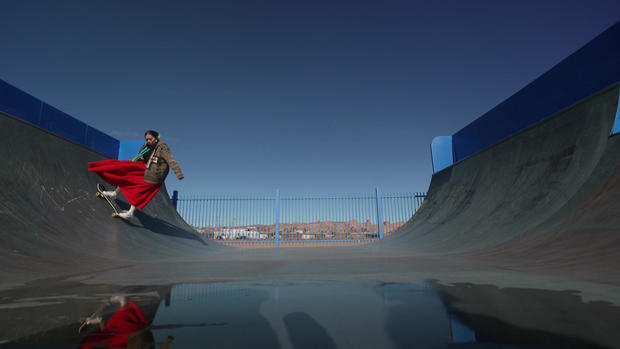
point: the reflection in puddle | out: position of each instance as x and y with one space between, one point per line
337 315
343 315
126 328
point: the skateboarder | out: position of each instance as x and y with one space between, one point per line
128 324
126 328
140 178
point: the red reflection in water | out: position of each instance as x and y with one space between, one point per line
128 321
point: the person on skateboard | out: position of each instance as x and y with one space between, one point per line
127 326
140 178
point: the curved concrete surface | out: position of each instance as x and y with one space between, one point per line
539 211
52 224
546 198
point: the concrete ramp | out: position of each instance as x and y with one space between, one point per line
52 224
545 198
519 240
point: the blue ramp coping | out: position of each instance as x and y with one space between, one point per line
461 333
22 105
591 69
129 149
616 128
441 153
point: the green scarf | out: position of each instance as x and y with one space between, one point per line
144 151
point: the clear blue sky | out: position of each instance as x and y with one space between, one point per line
309 97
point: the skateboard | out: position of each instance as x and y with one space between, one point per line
100 190
93 319
96 319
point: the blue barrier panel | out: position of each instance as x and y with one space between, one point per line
590 69
616 128
19 104
442 153
62 124
129 149
101 142
461 333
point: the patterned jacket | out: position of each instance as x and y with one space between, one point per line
159 163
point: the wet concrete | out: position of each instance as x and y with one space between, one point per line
48 312
302 314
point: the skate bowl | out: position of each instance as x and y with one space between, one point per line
528 226
517 244
543 198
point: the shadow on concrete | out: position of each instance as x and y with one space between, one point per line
159 226
231 318
527 318
305 332
416 316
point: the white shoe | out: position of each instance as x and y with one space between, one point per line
126 214
94 321
110 194
121 300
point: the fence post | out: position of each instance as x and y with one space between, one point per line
175 198
277 218
379 213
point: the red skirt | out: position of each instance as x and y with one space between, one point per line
116 332
129 177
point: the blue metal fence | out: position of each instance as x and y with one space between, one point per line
288 220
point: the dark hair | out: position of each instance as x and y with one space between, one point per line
152 133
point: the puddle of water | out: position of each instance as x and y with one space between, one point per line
305 315
332 315
336 315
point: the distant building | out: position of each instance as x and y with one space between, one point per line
250 233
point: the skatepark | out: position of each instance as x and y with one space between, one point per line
519 242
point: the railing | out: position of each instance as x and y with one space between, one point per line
296 221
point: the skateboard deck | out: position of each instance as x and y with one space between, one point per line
87 321
100 190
